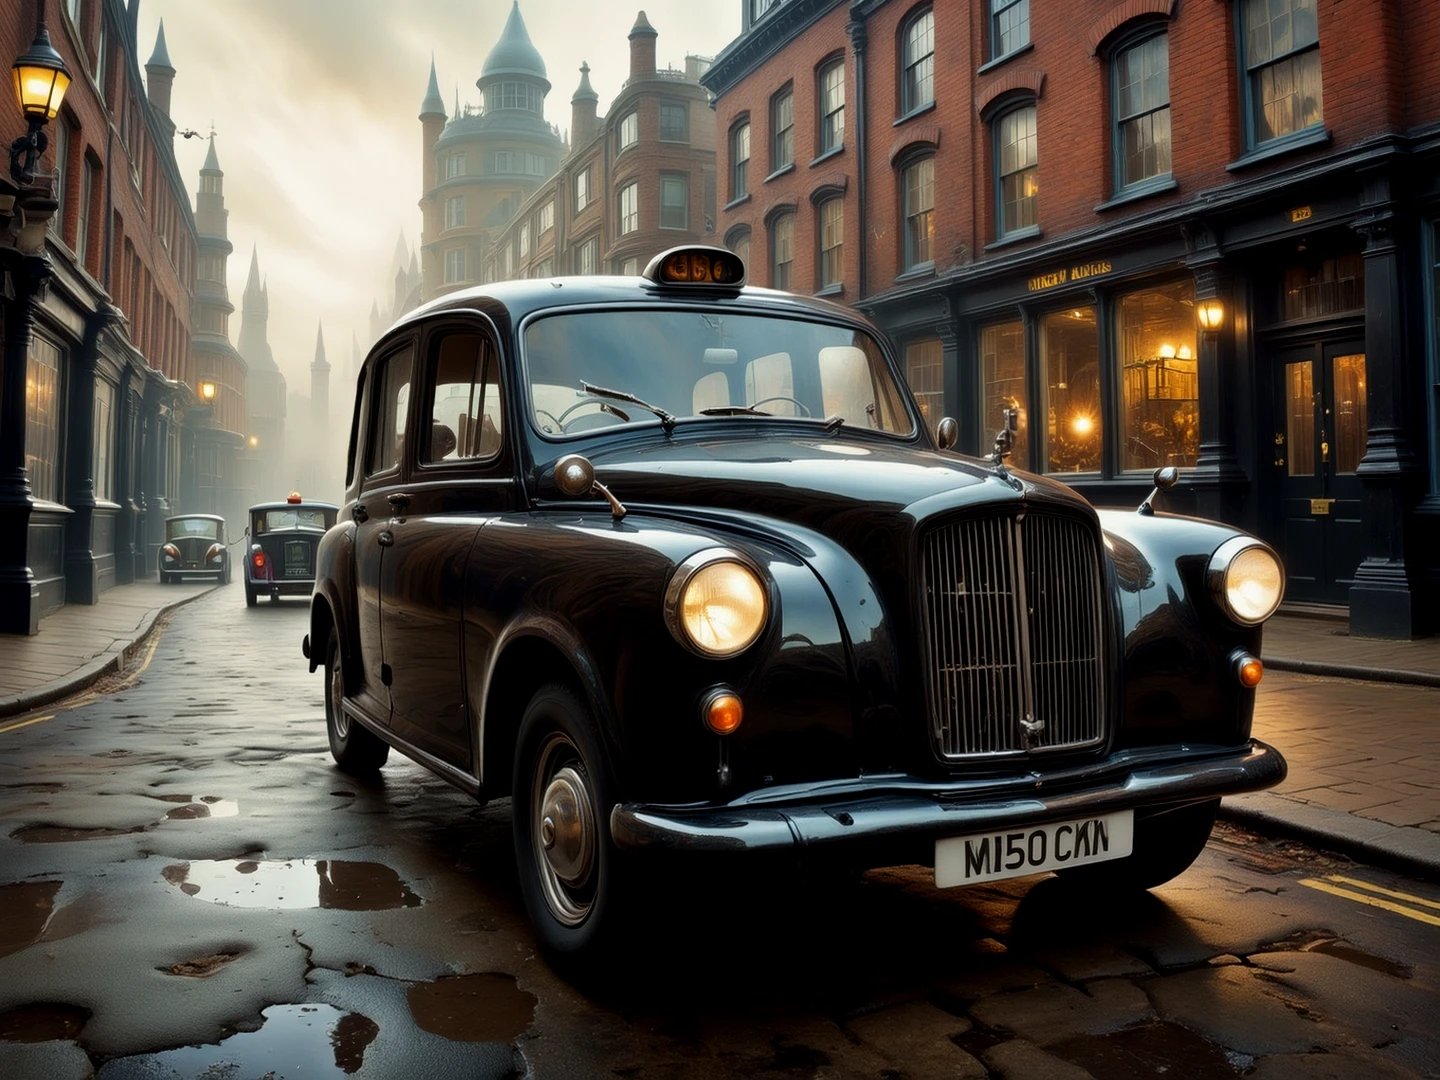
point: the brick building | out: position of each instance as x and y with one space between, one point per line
1039 203
97 443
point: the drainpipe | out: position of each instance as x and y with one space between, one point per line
858 40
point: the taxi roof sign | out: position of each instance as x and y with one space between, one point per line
697 265
293 497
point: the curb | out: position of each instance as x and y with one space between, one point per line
112 660
1351 671
1409 850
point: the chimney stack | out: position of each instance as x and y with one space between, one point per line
642 48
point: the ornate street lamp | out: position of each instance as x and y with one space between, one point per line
41 80
207 391
1210 313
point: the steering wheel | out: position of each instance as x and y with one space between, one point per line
804 409
578 405
546 412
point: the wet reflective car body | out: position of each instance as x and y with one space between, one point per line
283 539
194 547
676 564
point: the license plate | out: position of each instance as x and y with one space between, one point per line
297 560
1007 853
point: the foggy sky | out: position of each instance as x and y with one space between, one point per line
315 105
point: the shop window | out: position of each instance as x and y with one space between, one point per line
1016 166
1320 287
1141 74
1160 386
832 241
782 125
740 161
1002 371
832 106
1009 27
918 182
1070 366
917 62
782 250
1280 43
925 373
42 419
102 456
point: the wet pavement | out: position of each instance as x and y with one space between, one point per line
190 888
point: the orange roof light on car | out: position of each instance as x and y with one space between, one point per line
697 266
293 498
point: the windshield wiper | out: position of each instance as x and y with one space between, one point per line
830 423
666 419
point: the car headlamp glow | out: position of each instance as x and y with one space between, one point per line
717 604
1246 580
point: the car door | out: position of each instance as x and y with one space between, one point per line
381 479
459 477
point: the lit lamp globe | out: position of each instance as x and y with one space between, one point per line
207 392
41 80
1210 313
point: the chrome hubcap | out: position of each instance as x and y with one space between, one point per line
566 833
338 719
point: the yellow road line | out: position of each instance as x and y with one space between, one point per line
149 653
25 723
1373 901
1384 891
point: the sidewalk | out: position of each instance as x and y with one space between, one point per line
79 643
1364 755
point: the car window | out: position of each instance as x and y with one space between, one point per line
687 361
387 429
195 527
465 418
294 518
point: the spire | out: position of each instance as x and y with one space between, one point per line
160 58
320 363
642 27
514 53
585 92
212 163
252 283
402 252
433 105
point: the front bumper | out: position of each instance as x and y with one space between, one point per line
871 817
284 588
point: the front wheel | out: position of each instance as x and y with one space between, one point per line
570 872
355 748
1165 846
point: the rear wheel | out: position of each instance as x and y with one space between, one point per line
1165 846
355 748
571 875
249 595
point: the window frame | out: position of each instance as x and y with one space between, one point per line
628 220
683 179
450 260
1306 135
740 166
909 100
835 252
909 264
1132 41
582 196
684 112
785 217
455 212
997 10
830 125
999 176
628 125
782 132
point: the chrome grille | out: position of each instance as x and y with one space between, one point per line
1013 623
192 549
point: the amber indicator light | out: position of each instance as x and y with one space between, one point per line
1250 671
723 714
293 497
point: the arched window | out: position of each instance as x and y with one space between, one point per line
740 160
782 249
917 61
738 241
1017 159
1140 83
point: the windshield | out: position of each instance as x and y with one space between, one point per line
202 527
664 366
301 517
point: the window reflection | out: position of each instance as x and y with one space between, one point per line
1002 360
1070 360
1159 378
1300 418
1351 417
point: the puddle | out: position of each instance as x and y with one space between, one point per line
1141 1053
472 1008
43 1022
27 909
296 883
64 834
206 808
1343 950
294 1040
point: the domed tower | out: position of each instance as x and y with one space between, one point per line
485 163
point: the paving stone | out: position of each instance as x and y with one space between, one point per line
1048 1013
1080 963
1347 1064
915 1037
44 1061
1233 1008
1021 1060
997 976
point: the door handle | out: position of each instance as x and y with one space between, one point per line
1324 453
357 512
386 538
399 501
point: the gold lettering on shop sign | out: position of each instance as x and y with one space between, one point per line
1300 213
1079 272
1321 507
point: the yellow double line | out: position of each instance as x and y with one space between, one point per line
1363 892
86 698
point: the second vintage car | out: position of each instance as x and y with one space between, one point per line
283 538
194 546
676 565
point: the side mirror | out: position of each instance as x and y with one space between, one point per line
1164 479
947 432
575 476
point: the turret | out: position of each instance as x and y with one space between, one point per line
583 119
642 48
160 77
432 121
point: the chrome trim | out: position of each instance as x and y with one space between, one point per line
1219 567
680 578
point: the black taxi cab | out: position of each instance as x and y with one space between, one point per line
284 537
674 563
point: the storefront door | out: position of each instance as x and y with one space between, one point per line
1320 429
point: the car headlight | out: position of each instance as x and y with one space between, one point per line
1246 580
171 552
216 550
717 604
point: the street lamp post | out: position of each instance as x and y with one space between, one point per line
26 203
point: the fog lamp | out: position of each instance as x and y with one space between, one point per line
723 712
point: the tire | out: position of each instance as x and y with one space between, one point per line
574 891
356 749
250 597
225 572
1165 846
